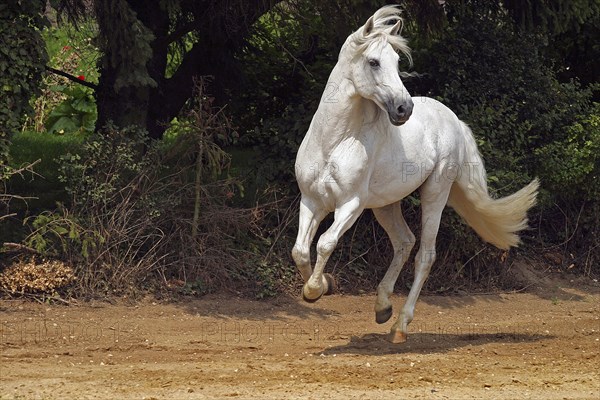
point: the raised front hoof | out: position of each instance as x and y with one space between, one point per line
331 284
396 337
384 315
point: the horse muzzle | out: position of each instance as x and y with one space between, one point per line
400 112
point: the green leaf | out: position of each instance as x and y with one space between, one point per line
84 104
61 125
61 230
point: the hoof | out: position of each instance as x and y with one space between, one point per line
384 315
308 299
397 337
331 285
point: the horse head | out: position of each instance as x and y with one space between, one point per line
371 56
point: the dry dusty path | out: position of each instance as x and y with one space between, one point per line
502 346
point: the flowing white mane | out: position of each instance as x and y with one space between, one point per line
380 27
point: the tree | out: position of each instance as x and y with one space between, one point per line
152 53
573 28
555 16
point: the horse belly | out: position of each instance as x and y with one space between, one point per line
390 189
400 169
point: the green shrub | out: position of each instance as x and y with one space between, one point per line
64 105
43 188
35 188
526 124
570 166
22 60
296 54
498 80
139 218
60 235
75 114
107 163
570 170
27 147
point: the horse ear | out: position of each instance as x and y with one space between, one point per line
396 28
369 25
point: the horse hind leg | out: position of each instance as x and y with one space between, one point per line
403 240
433 200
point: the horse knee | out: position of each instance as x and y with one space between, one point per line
301 255
326 245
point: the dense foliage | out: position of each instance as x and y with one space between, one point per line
523 75
498 72
131 223
500 80
22 60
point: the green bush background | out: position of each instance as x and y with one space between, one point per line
531 118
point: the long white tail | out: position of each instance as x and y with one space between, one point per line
497 221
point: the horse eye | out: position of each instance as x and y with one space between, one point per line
374 63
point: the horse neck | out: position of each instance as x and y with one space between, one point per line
342 112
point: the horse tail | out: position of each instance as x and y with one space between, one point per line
496 221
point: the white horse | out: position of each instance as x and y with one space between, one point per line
369 145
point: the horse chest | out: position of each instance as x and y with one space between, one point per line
341 173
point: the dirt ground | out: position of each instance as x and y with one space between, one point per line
543 344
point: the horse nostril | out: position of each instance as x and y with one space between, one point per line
400 111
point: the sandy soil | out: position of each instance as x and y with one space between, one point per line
542 345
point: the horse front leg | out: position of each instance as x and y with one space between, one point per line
310 218
319 284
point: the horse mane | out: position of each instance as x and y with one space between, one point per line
383 20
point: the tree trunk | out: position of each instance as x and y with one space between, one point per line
125 107
222 27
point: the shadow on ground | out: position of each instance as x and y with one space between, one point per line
278 308
427 343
